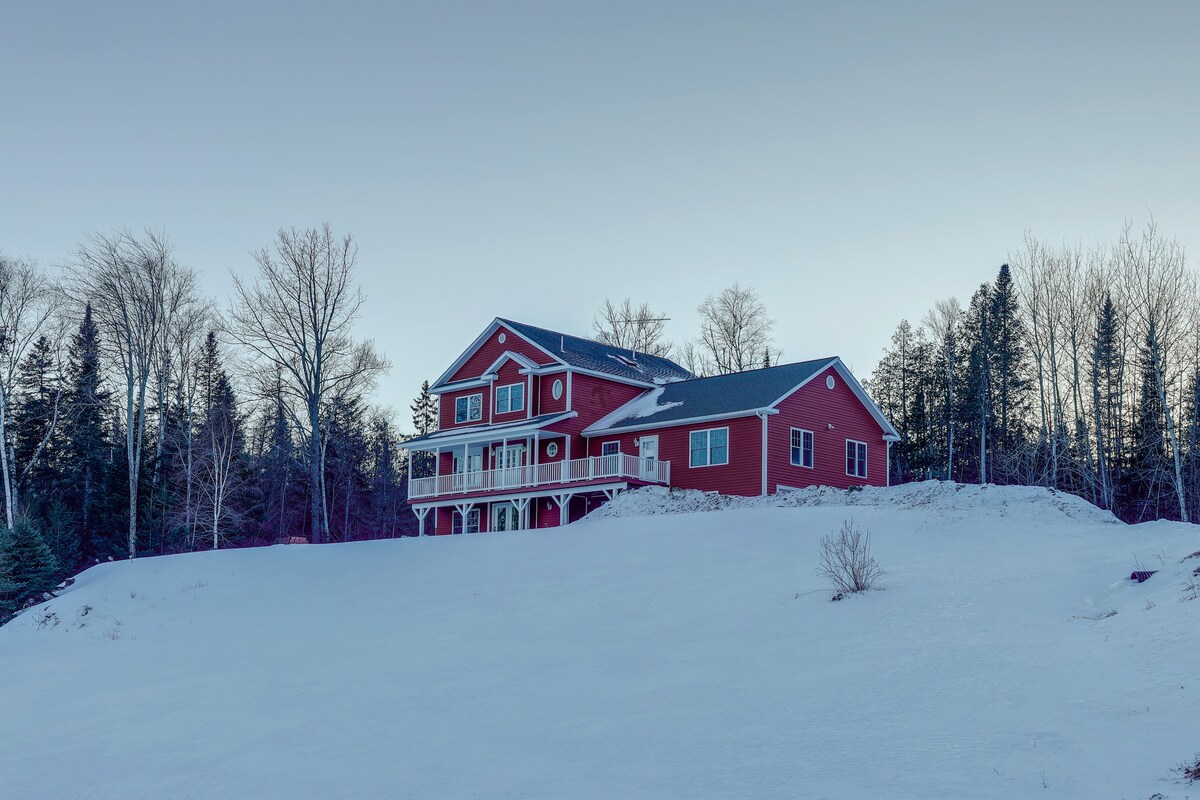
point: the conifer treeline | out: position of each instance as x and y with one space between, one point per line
1073 369
222 460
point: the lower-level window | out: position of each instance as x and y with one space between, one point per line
708 448
802 448
856 458
456 521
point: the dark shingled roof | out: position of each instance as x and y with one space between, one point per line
599 357
704 397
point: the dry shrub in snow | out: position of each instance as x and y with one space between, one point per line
1190 770
846 560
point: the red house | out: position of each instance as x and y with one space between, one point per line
536 428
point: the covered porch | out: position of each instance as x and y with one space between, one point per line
513 511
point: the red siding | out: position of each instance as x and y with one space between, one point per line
446 407
509 374
815 407
487 353
546 403
593 398
742 475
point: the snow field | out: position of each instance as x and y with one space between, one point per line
634 655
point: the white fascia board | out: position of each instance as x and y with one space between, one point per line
468 434
509 355
478 383
593 430
547 370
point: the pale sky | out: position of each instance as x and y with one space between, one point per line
852 161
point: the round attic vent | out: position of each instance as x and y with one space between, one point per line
829 382
501 338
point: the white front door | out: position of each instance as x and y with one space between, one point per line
648 456
505 517
509 461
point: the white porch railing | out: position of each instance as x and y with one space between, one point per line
620 465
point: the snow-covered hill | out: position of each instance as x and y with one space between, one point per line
632 655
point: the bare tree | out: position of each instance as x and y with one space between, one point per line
735 331
295 318
185 315
217 478
27 308
1158 291
129 282
847 562
631 328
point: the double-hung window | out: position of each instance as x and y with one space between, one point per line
456 522
856 458
709 448
468 408
510 398
610 448
802 448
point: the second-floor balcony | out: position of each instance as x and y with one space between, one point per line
618 466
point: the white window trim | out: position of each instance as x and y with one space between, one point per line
507 389
465 522
468 397
556 389
708 448
603 445
814 448
865 451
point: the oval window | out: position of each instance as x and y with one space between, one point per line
501 338
829 381
557 390
552 449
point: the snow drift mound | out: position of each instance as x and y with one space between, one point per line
938 496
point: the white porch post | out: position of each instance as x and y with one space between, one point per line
522 513
422 512
564 501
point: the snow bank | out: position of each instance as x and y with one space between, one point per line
941 497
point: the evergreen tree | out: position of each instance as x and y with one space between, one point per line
978 389
280 474
425 411
1149 478
1106 400
346 483
35 414
10 587
33 565
425 421
88 455
1011 385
